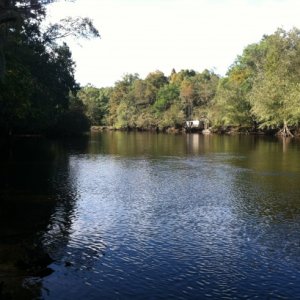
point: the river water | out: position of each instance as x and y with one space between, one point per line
150 216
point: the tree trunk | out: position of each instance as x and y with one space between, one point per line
285 132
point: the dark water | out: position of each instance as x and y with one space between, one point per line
146 216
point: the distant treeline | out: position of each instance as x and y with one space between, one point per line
38 92
260 92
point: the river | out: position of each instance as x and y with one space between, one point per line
150 216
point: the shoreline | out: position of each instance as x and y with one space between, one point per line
228 130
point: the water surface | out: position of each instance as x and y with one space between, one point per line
152 216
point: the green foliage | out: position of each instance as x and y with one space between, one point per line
198 91
156 101
26 15
39 94
173 117
231 104
15 98
95 103
36 75
260 88
125 116
146 120
177 78
120 92
166 96
275 96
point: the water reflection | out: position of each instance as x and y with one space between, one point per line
178 214
148 215
33 183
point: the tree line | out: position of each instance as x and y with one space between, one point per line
260 92
39 94
156 102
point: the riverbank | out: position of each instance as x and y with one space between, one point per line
226 130
221 130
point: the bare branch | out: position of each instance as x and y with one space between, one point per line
76 27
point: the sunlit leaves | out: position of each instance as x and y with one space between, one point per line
158 101
275 96
95 103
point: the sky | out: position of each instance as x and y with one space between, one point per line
142 36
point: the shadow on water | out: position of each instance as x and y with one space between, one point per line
36 196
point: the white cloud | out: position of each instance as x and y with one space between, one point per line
145 35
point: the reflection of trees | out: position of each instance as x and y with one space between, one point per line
272 163
137 144
266 197
268 174
198 143
36 205
59 225
38 193
153 144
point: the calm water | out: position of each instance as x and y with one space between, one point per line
147 216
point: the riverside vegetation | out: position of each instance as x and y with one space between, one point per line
39 94
260 93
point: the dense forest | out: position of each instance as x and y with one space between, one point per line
37 84
260 93
39 94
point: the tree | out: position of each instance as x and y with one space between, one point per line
275 96
24 15
139 91
48 79
173 117
125 115
154 81
77 27
36 90
231 104
39 72
166 96
177 78
15 95
206 84
119 93
95 103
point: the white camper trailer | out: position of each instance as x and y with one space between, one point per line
192 124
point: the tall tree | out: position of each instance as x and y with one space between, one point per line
95 103
38 79
166 96
275 96
120 94
24 15
231 104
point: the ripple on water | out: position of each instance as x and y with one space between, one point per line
175 228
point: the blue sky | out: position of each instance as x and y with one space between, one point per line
141 36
